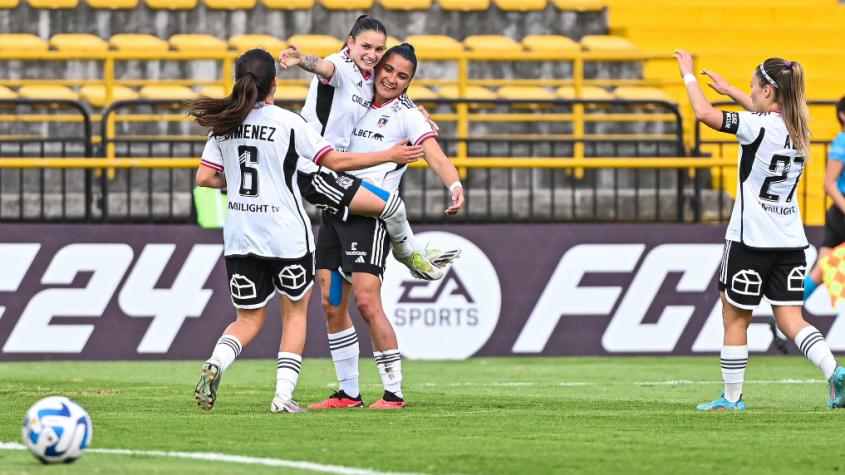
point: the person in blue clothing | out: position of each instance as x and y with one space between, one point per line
834 186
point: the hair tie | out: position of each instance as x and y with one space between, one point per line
768 78
788 65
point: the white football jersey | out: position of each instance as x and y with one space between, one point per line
260 159
396 121
333 107
766 213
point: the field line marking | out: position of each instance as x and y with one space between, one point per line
241 459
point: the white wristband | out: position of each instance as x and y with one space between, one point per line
689 77
455 186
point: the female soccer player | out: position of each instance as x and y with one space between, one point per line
765 242
357 245
834 185
339 95
256 147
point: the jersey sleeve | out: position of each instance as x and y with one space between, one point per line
745 125
837 148
417 129
309 143
339 71
212 157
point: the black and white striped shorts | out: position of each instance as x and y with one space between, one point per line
358 244
328 190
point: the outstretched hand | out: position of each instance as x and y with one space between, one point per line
684 62
717 82
290 57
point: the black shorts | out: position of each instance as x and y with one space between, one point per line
747 275
358 244
834 227
253 279
328 190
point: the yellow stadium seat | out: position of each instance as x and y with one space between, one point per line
230 4
215 92
346 4
587 92
291 93
392 41
47 92
464 5
166 92
9 4
288 4
641 93
607 44
421 94
322 45
197 42
52 4
435 44
492 44
579 5
133 42
550 44
78 42
112 4
470 92
248 42
95 94
6 93
405 4
520 5
171 4
22 42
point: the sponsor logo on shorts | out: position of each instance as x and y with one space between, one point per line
345 182
293 276
795 280
242 287
746 282
450 318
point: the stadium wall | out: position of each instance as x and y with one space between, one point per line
160 292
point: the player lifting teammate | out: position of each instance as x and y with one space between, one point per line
256 148
765 241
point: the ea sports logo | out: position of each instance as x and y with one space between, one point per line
450 318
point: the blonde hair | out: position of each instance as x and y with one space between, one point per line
787 78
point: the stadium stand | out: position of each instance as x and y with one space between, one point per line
22 42
197 42
405 5
95 95
112 4
77 42
171 4
47 92
230 4
53 4
137 42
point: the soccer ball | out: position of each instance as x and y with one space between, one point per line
57 430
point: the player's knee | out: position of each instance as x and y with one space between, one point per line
369 306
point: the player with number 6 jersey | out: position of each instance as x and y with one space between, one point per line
765 241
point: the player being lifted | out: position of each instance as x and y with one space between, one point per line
765 241
339 95
256 148
357 246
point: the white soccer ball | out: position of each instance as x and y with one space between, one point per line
57 430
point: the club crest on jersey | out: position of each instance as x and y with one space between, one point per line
383 121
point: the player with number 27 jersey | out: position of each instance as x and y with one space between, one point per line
766 213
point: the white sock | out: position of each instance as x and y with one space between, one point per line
396 222
811 342
287 374
228 348
345 353
389 363
733 360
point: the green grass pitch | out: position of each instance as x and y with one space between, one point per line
483 415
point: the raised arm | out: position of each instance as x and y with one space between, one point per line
720 85
442 166
704 111
293 56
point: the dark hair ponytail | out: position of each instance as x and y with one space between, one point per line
255 71
366 23
840 109
405 50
